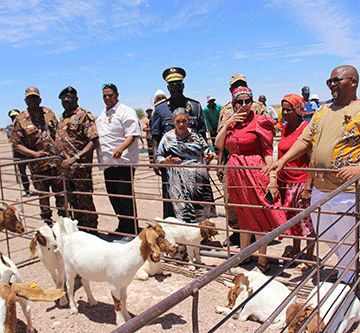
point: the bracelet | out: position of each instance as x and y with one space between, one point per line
77 157
272 176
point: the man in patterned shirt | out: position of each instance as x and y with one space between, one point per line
76 138
33 135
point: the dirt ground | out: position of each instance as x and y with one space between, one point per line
48 317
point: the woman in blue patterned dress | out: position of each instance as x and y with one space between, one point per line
182 146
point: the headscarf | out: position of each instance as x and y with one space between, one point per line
297 102
241 90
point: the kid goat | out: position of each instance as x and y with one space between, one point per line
97 260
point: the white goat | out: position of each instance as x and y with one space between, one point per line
97 260
6 264
262 305
50 243
10 292
10 219
176 233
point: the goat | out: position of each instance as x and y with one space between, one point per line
10 292
10 219
262 305
50 242
97 260
176 233
349 314
5 264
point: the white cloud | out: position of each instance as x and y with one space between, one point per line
329 22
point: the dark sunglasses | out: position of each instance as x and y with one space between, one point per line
242 101
110 86
336 80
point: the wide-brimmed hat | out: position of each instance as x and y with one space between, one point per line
237 77
314 96
13 113
158 92
209 98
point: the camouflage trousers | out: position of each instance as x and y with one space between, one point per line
80 180
49 179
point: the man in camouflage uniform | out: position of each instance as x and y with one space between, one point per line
161 121
33 135
76 138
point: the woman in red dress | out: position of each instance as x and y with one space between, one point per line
295 186
249 139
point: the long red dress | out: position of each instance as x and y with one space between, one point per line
248 144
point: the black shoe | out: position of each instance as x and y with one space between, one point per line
126 239
208 242
234 240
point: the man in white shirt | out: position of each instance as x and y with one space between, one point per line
119 130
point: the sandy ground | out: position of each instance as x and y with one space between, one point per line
47 317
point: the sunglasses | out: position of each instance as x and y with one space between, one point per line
242 101
336 80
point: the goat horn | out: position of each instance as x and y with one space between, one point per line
151 223
6 276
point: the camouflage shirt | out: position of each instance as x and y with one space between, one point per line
36 133
227 110
74 132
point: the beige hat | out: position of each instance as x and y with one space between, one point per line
32 91
209 98
237 77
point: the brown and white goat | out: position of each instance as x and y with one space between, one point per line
97 260
349 313
10 219
10 292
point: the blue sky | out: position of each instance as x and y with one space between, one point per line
280 46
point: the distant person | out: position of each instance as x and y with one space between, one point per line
212 113
77 137
162 122
315 98
270 110
119 130
310 106
22 167
147 129
33 135
332 137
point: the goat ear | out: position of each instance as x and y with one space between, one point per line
151 238
32 293
33 245
4 262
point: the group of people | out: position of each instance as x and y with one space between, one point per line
320 136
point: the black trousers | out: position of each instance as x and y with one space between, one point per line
118 181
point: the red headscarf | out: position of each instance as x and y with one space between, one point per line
240 90
297 102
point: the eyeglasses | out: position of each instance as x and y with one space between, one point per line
336 80
110 86
242 101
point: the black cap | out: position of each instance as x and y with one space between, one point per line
305 90
68 90
13 113
174 74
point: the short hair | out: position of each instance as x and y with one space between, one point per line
110 86
178 112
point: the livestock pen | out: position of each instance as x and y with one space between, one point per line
146 299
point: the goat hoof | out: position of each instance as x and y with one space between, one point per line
63 302
192 268
93 303
74 311
30 330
